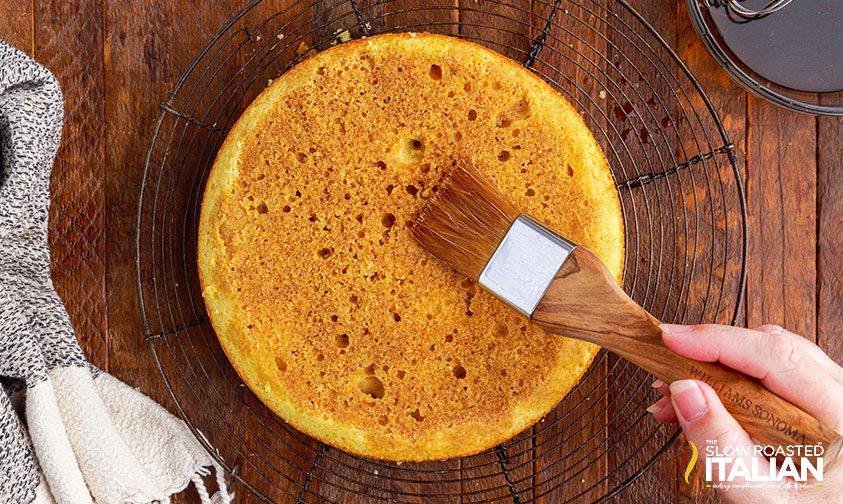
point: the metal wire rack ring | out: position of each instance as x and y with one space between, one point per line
684 210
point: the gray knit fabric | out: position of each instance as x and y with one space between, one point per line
35 331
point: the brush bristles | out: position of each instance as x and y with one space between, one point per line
465 221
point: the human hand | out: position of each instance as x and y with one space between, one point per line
787 365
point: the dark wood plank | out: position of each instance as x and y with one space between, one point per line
781 194
69 43
137 41
830 245
17 24
504 26
730 102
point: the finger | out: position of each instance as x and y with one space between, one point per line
813 350
662 410
781 363
708 425
662 387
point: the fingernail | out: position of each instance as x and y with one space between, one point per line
657 384
676 328
688 399
655 408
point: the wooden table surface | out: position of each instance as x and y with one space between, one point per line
117 60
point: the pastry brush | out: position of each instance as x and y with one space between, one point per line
566 290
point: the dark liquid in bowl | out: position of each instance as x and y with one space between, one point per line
799 47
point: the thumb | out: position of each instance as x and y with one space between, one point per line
715 432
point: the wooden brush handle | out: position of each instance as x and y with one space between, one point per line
586 303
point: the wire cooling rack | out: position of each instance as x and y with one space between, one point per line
683 205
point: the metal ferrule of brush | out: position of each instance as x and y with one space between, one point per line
524 264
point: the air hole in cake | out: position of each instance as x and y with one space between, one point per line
450 94
530 192
301 156
325 253
262 208
502 121
280 364
417 415
459 372
334 318
496 85
396 317
359 218
425 168
389 189
286 208
500 330
370 369
570 171
361 234
468 297
503 156
347 196
372 386
383 420
472 115
321 71
412 190
354 299
435 72
341 341
401 374
320 357
411 151
388 220
467 86
298 193
457 136
519 110
516 147
381 165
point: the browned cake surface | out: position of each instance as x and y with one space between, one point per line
329 311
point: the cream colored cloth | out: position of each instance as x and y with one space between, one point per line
99 440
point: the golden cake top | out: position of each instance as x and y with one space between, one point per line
329 311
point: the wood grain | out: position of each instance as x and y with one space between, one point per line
781 194
17 24
830 239
114 86
69 43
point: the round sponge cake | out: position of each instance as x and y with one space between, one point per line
329 311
